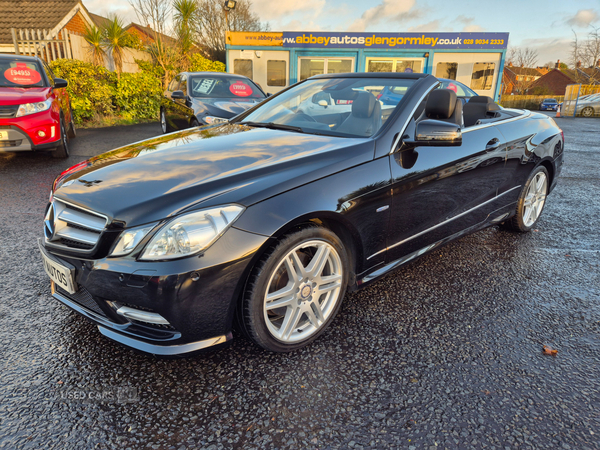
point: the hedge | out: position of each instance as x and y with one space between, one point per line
96 92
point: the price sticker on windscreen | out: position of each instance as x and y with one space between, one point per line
21 74
240 89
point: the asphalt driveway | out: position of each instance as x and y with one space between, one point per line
445 353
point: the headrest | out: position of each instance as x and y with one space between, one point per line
440 104
481 99
363 105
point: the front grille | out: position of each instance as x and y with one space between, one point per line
11 143
68 226
82 297
7 111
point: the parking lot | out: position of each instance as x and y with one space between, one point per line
445 353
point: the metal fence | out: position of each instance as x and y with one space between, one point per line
43 43
581 100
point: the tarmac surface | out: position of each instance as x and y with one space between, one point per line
444 353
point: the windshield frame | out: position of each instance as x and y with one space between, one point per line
417 79
44 81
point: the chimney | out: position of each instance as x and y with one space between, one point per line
598 63
510 63
557 66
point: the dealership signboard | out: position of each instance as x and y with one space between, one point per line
278 59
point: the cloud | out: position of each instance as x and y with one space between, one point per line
275 10
583 18
473 29
387 10
464 20
110 7
549 49
434 25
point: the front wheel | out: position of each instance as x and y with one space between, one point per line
296 290
587 111
531 202
71 131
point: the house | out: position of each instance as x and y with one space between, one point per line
556 81
147 35
52 15
517 80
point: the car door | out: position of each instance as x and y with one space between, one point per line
169 103
438 191
182 113
62 98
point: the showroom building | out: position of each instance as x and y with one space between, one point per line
276 60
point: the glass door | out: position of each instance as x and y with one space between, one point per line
307 67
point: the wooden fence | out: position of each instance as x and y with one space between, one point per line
42 43
526 101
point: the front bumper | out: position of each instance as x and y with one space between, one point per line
196 295
23 132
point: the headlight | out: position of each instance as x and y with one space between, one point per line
32 108
212 120
130 239
191 233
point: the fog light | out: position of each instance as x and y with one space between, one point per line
41 134
52 131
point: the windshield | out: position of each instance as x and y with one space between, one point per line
550 100
348 107
223 87
19 73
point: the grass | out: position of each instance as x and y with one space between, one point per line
112 121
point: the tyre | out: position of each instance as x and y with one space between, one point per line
194 123
62 151
163 122
71 129
531 202
588 111
295 290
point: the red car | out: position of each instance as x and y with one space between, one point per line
35 111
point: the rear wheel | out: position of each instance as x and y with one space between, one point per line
531 202
296 290
587 111
62 151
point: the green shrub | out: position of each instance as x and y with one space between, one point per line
200 64
90 87
137 96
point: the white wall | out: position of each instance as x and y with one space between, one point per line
81 51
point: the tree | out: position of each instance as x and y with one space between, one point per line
523 61
184 17
156 14
93 35
116 41
213 25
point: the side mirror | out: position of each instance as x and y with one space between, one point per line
60 83
269 94
178 95
323 103
436 133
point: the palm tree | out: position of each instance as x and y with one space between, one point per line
116 41
184 17
93 35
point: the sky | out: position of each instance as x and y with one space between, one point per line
547 26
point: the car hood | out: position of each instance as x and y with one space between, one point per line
196 168
223 107
18 96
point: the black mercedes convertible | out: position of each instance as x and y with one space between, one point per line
266 221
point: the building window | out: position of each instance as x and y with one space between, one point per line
276 73
243 67
310 67
446 70
483 75
394 65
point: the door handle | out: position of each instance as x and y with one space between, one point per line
493 144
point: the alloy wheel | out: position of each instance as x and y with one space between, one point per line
303 291
535 198
588 111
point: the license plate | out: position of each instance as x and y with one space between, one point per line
58 272
3 135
